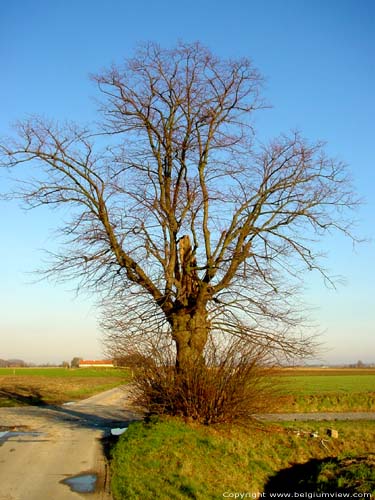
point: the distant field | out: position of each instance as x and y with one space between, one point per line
63 372
300 390
300 372
327 390
309 384
38 386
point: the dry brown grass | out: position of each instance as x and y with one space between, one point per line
28 390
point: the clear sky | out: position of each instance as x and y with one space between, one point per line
318 57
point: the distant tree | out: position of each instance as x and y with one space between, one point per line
75 362
14 363
193 228
129 359
65 364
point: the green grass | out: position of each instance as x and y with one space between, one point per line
37 386
63 372
354 475
170 459
341 384
326 390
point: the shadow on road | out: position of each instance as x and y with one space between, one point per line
21 396
96 417
77 415
93 413
88 417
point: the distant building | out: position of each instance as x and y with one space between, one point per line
95 363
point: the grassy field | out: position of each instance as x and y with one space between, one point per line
61 372
37 386
300 390
305 390
186 461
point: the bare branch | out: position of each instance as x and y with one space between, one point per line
184 225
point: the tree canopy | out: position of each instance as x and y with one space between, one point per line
187 224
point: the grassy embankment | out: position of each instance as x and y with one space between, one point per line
181 461
35 386
174 460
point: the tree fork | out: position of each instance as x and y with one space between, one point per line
189 319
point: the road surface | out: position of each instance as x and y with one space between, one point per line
40 447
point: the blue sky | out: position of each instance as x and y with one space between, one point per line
318 60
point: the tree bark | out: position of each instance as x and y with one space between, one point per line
190 329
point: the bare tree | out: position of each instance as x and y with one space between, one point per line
178 213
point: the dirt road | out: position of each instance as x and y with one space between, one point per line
41 447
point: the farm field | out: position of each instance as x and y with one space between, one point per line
310 390
298 390
62 372
38 386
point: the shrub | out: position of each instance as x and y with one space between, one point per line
227 386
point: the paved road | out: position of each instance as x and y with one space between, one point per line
55 443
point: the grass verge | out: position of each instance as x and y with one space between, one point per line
170 459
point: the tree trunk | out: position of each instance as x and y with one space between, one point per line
190 328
